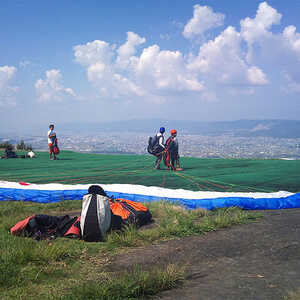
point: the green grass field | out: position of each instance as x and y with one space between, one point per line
240 175
73 269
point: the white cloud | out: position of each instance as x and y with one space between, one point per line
7 91
266 46
256 76
280 51
235 62
160 70
51 88
103 65
126 74
291 40
224 62
93 52
6 74
221 56
258 28
203 19
127 50
111 84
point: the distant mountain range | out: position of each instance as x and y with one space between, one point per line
240 128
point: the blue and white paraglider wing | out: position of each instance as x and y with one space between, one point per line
54 192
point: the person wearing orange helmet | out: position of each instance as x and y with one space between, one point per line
171 157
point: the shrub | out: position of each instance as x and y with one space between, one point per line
23 146
6 145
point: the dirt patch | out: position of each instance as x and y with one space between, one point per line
259 260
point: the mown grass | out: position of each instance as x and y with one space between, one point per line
73 269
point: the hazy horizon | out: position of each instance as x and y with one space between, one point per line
272 128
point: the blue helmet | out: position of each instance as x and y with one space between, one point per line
162 129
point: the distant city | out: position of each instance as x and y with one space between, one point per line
222 139
223 146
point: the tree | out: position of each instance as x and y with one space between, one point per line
23 146
7 145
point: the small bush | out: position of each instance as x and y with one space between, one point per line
6 145
23 146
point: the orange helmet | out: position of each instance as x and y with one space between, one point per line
173 131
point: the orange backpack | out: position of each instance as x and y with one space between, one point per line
131 212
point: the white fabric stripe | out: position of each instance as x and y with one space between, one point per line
145 190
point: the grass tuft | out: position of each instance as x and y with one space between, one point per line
130 285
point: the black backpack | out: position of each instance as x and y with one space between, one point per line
10 154
48 227
152 144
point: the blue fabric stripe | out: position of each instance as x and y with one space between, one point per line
50 196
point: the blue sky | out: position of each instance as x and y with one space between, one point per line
93 61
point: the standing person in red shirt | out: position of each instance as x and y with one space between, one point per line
171 156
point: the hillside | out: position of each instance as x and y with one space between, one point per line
231 175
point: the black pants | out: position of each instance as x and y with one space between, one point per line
174 160
158 160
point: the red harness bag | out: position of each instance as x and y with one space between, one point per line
20 226
55 147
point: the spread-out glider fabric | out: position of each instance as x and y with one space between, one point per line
47 193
